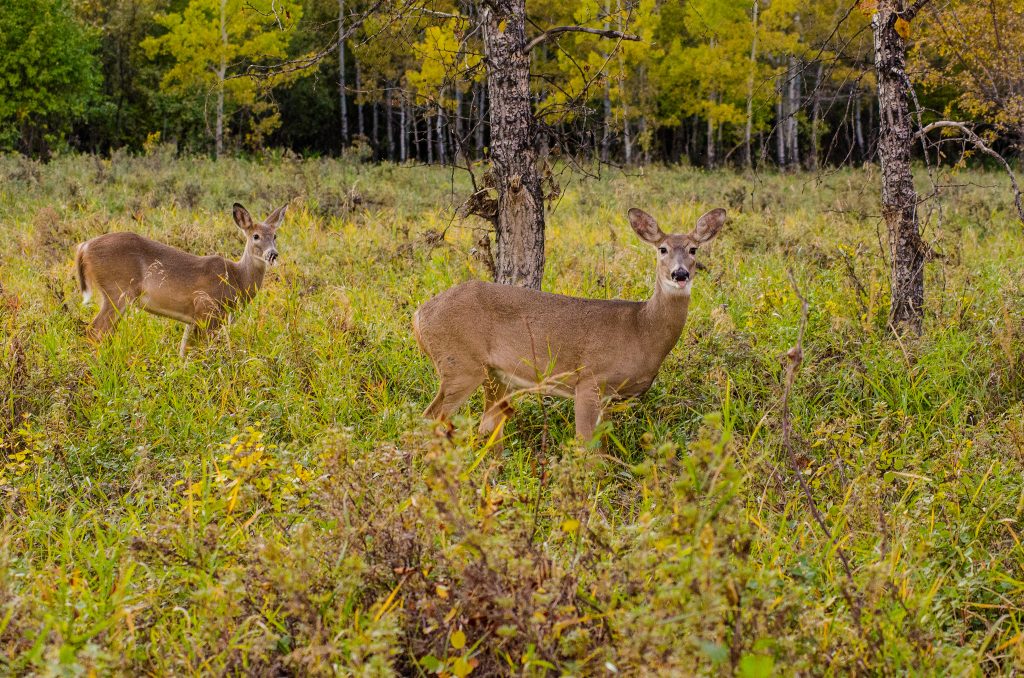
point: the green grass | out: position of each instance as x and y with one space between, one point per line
274 504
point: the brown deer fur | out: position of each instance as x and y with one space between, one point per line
510 338
122 268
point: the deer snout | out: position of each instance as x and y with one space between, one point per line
680 275
271 256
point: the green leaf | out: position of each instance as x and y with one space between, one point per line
756 666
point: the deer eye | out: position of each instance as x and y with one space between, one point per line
663 250
255 236
693 250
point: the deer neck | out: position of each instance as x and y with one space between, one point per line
250 270
663 317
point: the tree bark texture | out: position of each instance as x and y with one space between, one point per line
519 224
899 197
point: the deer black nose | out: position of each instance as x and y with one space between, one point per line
272 256
680 275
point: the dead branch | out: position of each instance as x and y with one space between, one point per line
438 15
909 13
980 144
552 32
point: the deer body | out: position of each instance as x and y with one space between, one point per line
510 338
199 291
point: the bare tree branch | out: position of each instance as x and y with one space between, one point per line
439 15
552 32
909 13
980 144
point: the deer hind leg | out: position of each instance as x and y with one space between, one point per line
109 315
588 409
458 382
496 408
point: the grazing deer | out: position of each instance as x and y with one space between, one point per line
198 291
510 338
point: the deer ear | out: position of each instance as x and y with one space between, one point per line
645 226
242 217
708 225
276 217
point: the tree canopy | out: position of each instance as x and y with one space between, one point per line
786 82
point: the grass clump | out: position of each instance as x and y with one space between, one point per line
274 504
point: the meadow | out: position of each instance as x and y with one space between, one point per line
274 503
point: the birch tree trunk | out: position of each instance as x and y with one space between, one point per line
606 123
360 122
899 197
793 133
812 160
342 95
519 223
389 114
403 132
748 157
222 72
439 121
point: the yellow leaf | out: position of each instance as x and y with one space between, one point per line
458 640
461 667
570 525
903 28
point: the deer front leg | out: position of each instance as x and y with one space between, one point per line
207 317
588 409
184 339
108 316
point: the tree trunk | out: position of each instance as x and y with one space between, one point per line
606 135
780 123
222 72
519 224
858 127
748 158
481 120
627 136
711 160
899 197
389 114
360 122
793 135
430 139
376 131
342 94
457 137
439 121
606 122
812 160
403 132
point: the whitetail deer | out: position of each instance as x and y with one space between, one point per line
198 291
510 338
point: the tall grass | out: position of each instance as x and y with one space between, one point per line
273 503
